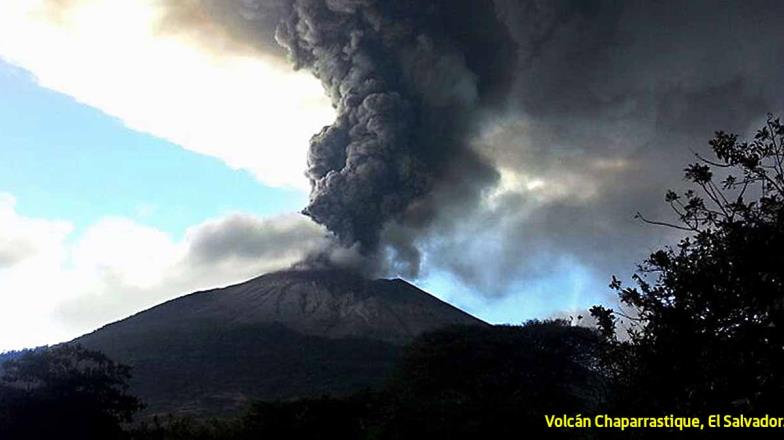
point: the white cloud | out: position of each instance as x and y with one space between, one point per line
126 252
67 285
250 111
23 240
36 249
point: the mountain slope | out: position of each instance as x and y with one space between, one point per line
281 335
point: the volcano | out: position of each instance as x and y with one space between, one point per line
282 335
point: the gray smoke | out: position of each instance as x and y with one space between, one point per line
594 106
404 92
609 103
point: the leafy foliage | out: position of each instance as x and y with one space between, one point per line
64 392
708 330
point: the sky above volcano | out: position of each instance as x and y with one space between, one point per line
149 149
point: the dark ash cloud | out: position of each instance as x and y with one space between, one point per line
404 89
494 139
610 101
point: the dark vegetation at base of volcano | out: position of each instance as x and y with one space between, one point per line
702 335
459 381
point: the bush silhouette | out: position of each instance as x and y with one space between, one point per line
64 392
707 321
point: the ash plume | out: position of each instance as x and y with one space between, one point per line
404 86
525 133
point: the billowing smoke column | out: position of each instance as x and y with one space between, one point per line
403 90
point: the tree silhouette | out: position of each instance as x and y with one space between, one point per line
707 329
494 382
64 391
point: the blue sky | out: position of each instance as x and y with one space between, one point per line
65 160
100 220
